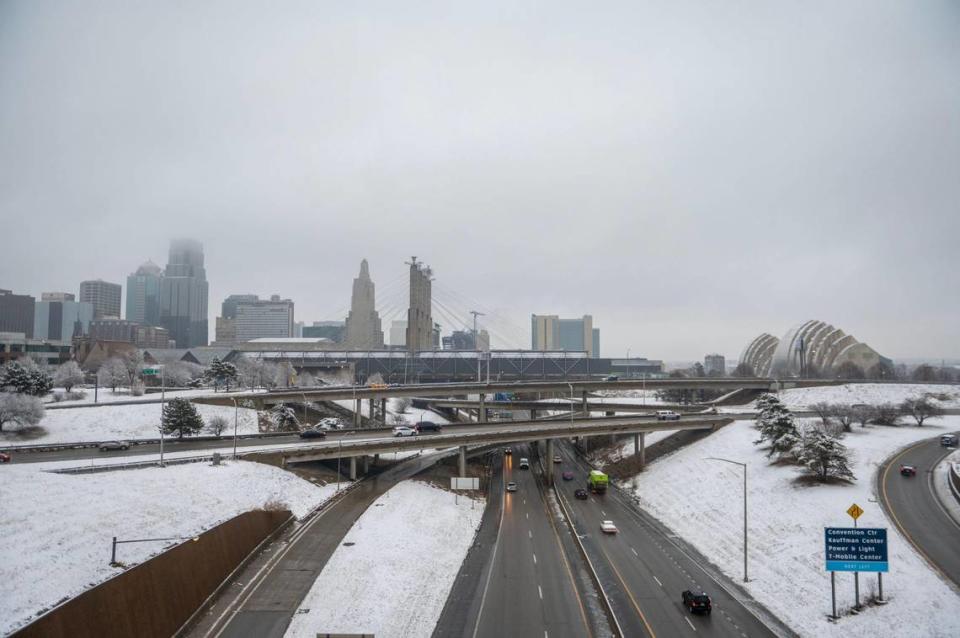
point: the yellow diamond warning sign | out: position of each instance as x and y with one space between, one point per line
855 511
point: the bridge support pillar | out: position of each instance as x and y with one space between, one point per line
357 406
353 468
463 461
583 404
533 415
383 410
482 418
373 409
610 413
366 465
640 448
549 460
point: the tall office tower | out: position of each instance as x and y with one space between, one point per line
419 320
143 294
715 365
104 296
16 313
58 317
183 294
332 330
550 332
363 330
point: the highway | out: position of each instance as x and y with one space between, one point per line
643 568
262 598
530 590
914 508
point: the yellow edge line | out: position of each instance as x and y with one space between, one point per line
629 593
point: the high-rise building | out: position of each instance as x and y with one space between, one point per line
715 365
363 330
467 340
183 294
143 294
420 330
228 309
264 318
398 333
104 296
550 332
16 313
129 332
332 330
58 317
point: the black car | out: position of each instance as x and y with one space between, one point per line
313 434
697 602
428 426
581 494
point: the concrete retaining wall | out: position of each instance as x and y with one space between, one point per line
155 598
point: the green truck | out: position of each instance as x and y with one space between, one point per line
597 482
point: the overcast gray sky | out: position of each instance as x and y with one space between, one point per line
690 173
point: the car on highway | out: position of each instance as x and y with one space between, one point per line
313 433
331 423
948 440
611 377
567 476
908 470
557 459
508 450
511 486
403 430
428 426
607 527
110 446
697 602
667 415
4 457
524 463
581 494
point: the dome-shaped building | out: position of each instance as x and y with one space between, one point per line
813 348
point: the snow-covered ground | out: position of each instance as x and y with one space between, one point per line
105 395
626 448
412 415
394 579
786 530
120 422
868 393
57 529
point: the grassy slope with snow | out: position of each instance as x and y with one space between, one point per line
56 528
120 422
869 393
786 531
394 581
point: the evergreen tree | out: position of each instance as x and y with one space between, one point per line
221 372
181 417
824 456
25 379
776 426
284 418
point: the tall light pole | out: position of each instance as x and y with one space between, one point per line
236 422
744 466
163 386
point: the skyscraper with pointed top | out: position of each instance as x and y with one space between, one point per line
363 330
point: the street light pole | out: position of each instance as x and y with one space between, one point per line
744 466
163 395
236 422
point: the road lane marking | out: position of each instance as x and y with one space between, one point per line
658 581
528 515
493 564
530 533
534 559
635 552
540 591
602 512
690 623
633 600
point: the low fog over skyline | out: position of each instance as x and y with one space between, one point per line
689 174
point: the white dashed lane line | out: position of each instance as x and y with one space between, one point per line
690 623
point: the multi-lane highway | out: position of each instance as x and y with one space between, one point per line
915 508
644 570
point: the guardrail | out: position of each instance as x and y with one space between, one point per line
79 445
953 475
133 465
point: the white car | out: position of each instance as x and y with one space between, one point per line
607 527
511 487
667 415
402 430
331 423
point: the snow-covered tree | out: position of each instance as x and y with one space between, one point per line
306 380
25 377
68 374
180 373
112 373
921 409
181 417
133 364
776 425
284 418
217 424
20 410
221 373
824 456
887 414
403 404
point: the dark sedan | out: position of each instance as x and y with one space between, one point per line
313 434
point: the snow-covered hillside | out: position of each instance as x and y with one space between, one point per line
869 393
392 574
120 422
786 531
57 528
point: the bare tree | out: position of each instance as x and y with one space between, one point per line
887 414
217 424
403 404
68 374
19 409
862 414
744 370
112 373
924 372
844 414
921 409
849 370
823 410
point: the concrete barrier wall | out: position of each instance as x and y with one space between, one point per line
156 597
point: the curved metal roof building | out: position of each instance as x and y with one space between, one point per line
813 347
